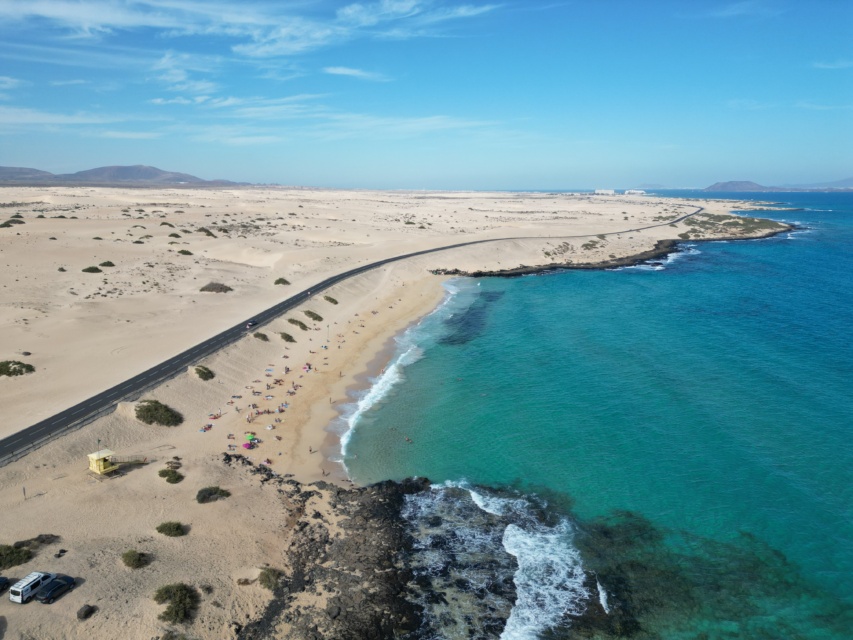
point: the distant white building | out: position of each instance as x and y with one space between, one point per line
634 192
605 192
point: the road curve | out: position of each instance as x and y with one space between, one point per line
18 444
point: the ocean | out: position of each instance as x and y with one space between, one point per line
680 430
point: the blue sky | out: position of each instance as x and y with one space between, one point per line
433 94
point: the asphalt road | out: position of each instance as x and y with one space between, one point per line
105 402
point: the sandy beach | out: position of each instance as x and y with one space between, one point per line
86 331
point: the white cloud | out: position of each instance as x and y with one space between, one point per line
7 82
67 83
178 100
24 116
356 73
130 135
838 64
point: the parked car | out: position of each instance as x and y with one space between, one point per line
55 588
25 588
4 584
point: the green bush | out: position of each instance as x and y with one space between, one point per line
15 368
185 252
167 224
330 299
298 323
13 556
106 263
135 559
204 373
62 269
261 336
216 287
206 232
316 317
211 494
92 270
282 281
172 476
270 578
172 529
174 235
181 600
154 412
287 337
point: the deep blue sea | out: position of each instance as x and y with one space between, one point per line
686 427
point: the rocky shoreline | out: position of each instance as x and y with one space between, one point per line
351 569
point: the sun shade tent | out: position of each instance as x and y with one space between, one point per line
101 462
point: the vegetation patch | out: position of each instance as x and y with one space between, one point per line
216 287
155 412
181 602
174 235
270 578
172 476
106 263
330 299
206 232
11 556
298 323
261 336
135 559
316 317
15 368
211 494
204 373
92 270
282 281
287 337
185 252
62 269
167 224
172 529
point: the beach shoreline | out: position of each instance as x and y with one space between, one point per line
327 361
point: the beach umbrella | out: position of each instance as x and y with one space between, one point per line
247 445
250 436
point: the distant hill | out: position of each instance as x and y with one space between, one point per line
847 183
738 185
745 185
136 175
22 173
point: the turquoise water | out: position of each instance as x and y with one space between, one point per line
691 421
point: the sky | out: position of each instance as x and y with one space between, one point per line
433 94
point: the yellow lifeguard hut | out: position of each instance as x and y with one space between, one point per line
101 462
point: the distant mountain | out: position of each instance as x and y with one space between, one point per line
136 175
745 185
738 185
22 173
847 183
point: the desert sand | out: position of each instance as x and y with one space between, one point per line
88 331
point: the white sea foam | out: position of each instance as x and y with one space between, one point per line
548 582
408 351
550 578
602 596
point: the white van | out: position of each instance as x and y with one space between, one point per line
24 589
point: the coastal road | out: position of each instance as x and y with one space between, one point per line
21 443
